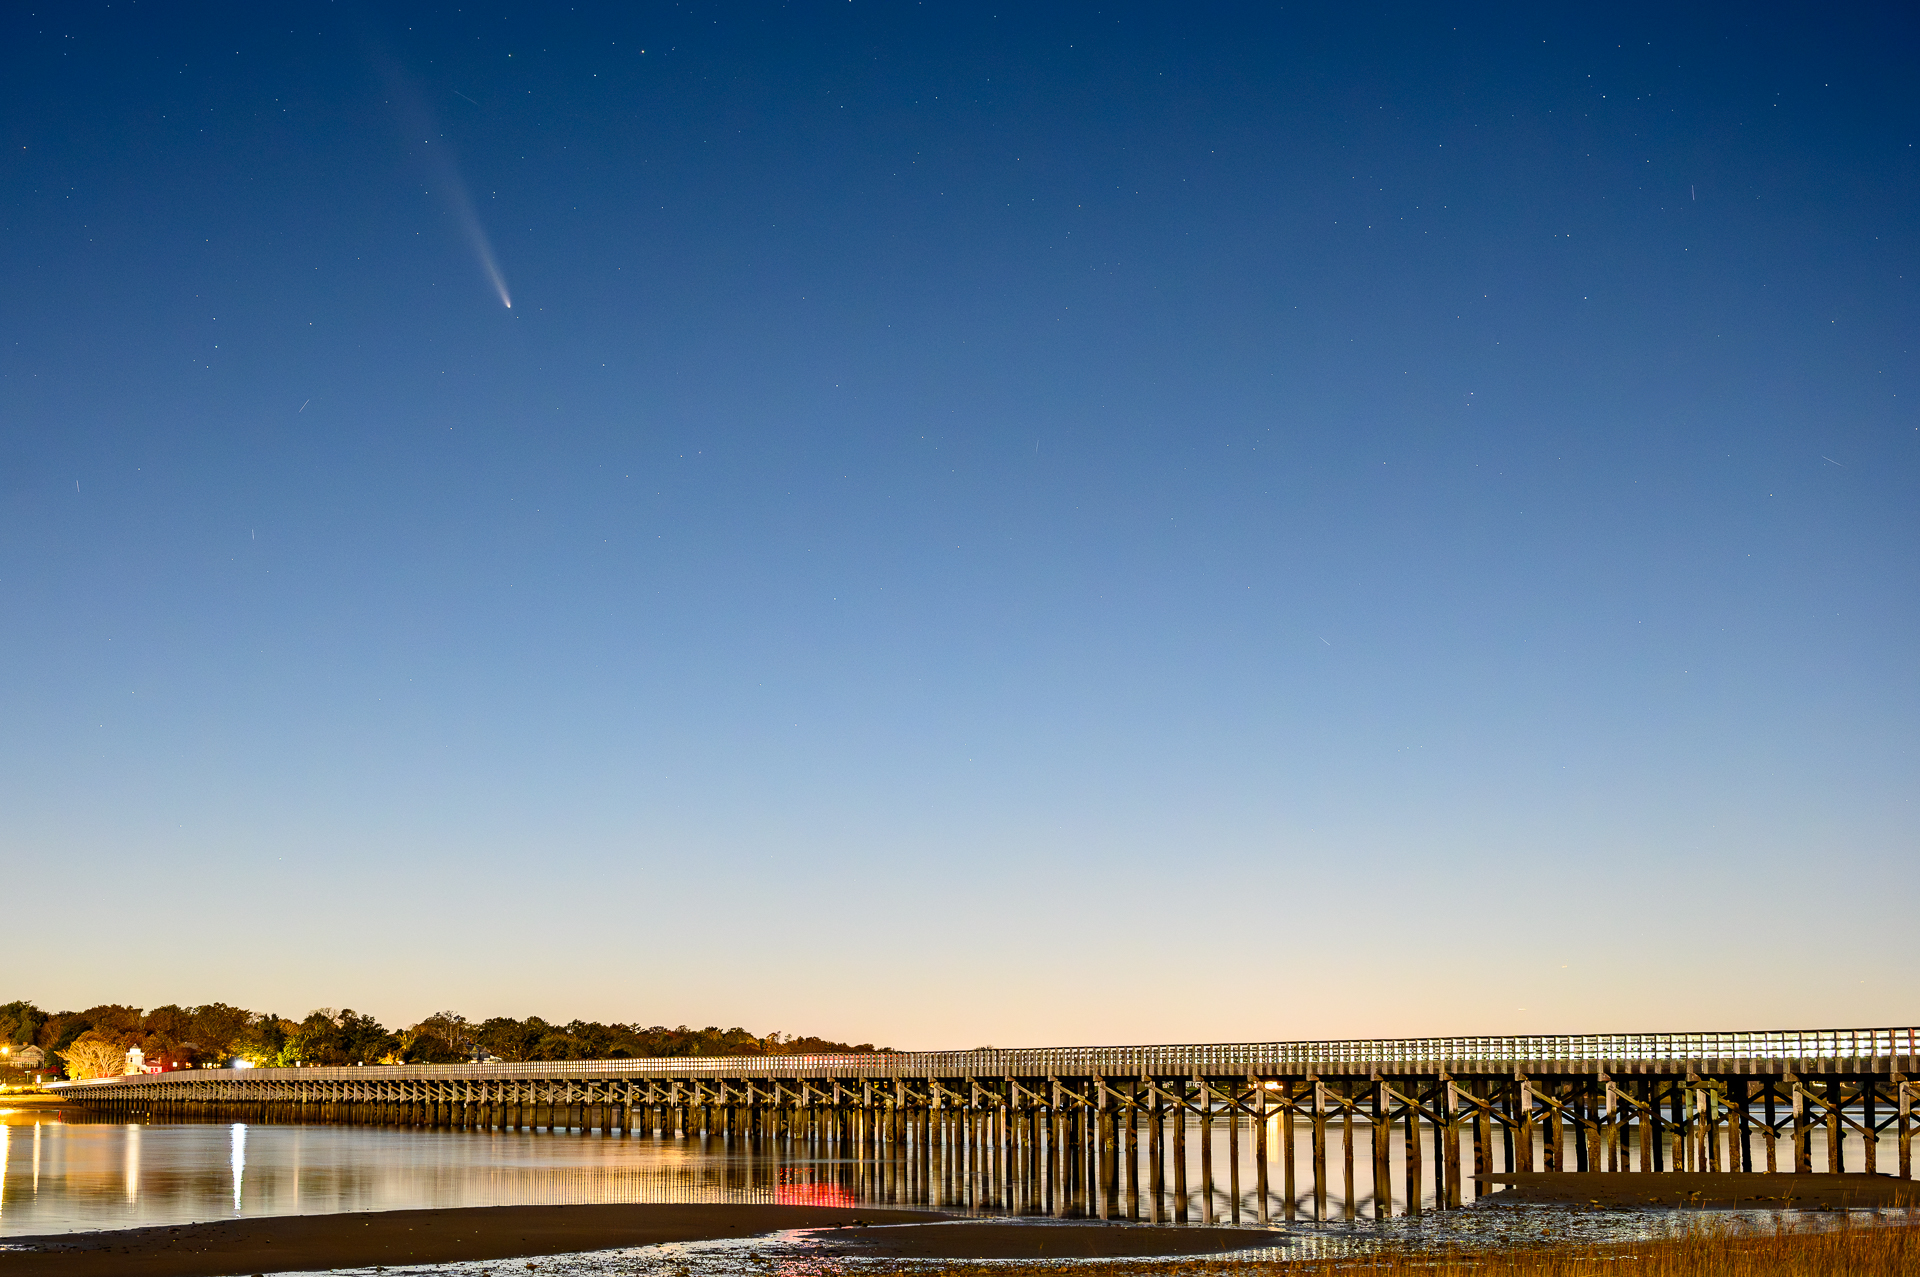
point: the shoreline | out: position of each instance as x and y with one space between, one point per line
366 1239
39 1100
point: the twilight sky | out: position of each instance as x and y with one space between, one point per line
1058 524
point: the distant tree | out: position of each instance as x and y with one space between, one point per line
263 1041
122 1022
451 1028
165 1034
337 1037
420 1047
20 1023
821 1046
363 1040
442 1038
218 1029
219 1032
173 1023
592 1040
511 1039
314 1040
558 1044
93 1054
59 1030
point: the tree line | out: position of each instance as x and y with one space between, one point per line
94 1042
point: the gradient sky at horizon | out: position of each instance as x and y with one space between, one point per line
1113 523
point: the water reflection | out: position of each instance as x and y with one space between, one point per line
93 1174
239 1162
87 1175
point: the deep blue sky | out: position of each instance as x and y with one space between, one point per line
979 525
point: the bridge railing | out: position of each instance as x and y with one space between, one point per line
1132 1061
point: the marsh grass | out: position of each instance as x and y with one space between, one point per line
1852 1250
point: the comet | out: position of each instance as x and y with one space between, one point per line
476 234
419 123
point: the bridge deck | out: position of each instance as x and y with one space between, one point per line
1883 1051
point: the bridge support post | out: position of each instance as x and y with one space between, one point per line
1802 1135
1450 1156
1233 1155
1319 1120
1132 1150
1288 1181
1903 1093
1206 1150
1156 1152
1349 1206
1482 1123
1654 1127
1379 1135
1556 1131
1260 1145
1178 1120
1770 1136
1836 1133
1518 1128
1744 1116
1681 1117
1413 1161
1869 1128
1580 1097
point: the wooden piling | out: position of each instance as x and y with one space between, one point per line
1836 1133
1412 1161
1319 1120
1206 1151
1260 1146
1904 1089
1233 1157
1450 1155
1869 1129
1132 1150
1349 1207
1178 1119
1379 1136
1289 1185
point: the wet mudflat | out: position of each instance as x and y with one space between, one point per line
405 1238
426 1239
1686 1188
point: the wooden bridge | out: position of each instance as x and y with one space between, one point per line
1093 1130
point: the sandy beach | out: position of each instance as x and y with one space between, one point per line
296 1242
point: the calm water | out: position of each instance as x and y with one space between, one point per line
60 1177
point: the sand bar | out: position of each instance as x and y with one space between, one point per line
289 1243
